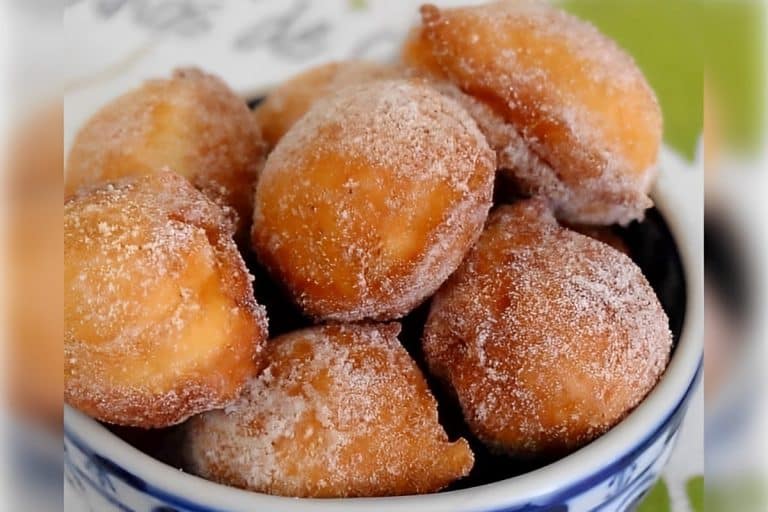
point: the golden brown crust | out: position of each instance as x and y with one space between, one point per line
579 102
339 411
371 200
192 124
606 234
547 337
160 318
288 102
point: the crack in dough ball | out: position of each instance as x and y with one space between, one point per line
159 314
192 124
372 199
568 112
288 102
547 337
339 411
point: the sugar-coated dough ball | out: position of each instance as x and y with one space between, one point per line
288 102
339 411
589 120
606 234
372 199
192 124
547 337
160 320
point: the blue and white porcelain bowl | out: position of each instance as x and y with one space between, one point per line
612 473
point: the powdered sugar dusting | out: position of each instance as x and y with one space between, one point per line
376 194
150 267
339 411
548 337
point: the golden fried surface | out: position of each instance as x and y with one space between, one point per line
372 199
579 102
160 321
339 411
192 124
605 234
291 100
547 337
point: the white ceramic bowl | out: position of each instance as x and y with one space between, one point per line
610 474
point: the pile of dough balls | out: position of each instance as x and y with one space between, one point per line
361 191
159 312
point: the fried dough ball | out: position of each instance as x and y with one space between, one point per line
547 337
339 411
291 100
372 199
192 124
160 321
569 113
605 234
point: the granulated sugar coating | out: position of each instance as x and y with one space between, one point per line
606 234
291 100
512 151
372 199
192 124
548 337
159 314
339 411
590 122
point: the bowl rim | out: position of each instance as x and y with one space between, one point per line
678 194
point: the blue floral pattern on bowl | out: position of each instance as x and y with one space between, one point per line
107 487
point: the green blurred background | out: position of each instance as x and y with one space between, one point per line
677 43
